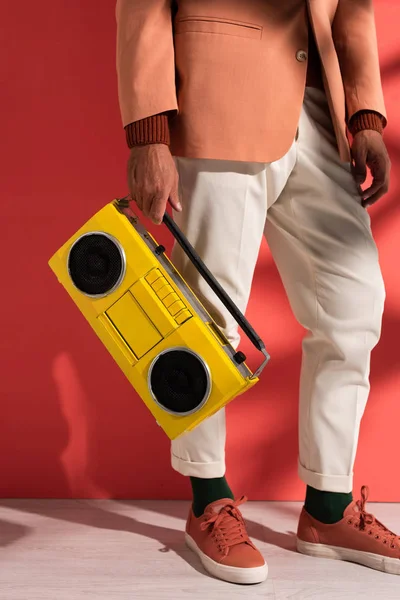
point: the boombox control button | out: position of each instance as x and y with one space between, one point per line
183 316
239 357
159 283
170 299
153 275
176 307
164 292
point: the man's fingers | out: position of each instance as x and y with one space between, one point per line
369 151
174 198
380 177
157 209
139 201
155 204
136 197
374 197
359 167
175 202
377 185
145 207
134 191
380 183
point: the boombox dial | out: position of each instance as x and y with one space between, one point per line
96 264
179 381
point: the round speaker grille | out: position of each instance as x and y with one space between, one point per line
179 381
96 264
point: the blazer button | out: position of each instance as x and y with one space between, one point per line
301 55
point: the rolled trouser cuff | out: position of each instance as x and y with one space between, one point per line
326 483
209 470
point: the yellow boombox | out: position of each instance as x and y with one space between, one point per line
161 336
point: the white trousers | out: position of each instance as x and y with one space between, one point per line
307 206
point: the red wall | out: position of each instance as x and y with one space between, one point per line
71 426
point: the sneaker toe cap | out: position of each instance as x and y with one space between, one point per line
244 556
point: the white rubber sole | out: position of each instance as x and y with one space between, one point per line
374 561
231 574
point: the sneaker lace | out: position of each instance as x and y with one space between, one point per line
228 527
375 526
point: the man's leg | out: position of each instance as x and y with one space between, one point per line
224 211
321 240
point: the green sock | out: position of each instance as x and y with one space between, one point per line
208 490
326 507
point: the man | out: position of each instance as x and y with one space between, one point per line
251 103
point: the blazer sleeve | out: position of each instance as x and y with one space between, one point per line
145 59
354 35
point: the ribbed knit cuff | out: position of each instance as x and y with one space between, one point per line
152 130
366 119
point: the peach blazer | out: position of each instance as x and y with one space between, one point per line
234 71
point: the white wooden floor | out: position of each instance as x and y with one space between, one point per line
120 550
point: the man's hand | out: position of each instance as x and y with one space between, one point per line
153 180
368 149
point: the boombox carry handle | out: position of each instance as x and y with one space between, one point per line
217 289
213 283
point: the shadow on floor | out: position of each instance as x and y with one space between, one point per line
12 532
84 512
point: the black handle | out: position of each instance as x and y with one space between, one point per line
213 283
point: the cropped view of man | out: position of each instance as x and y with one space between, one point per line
255 119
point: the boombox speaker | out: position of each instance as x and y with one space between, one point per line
161 336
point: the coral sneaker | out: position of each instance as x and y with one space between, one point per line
359 537
220 539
